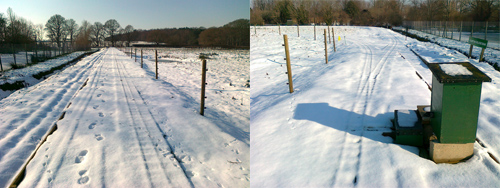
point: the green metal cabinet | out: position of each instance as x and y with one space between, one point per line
455 103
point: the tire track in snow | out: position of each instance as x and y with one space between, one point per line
142 118
352 146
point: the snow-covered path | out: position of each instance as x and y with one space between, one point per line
123 128
328 132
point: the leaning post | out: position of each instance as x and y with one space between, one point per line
288 66
203 84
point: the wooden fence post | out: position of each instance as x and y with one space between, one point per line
288 66
14 54
333 36
470 51
135 55
130 53
141 57
203 83
481 57
156 58
329 39
326 50
314 28
1 66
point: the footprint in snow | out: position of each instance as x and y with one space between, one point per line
99 95
101 114
95 106
81 157
99 137
92 125
83 178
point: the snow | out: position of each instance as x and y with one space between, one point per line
407 118
454 69
123 128
328 133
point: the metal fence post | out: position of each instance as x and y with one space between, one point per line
135 55
279 28
26 52
460 37
486 31
288 66
141 57
1 66
315 29
203 83
130 53
298 31
156 58
14 54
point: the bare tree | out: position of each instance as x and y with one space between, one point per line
129 32
83 38
97 33
72 30
112 27
55 28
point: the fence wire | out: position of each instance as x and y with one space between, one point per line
460 30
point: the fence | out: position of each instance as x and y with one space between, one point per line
20 55
460 30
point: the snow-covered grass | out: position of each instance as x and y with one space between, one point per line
26 74
328 133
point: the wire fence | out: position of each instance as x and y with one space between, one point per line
460 30
13 56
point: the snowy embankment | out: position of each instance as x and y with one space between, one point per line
124 128
491 55
25 75
328 133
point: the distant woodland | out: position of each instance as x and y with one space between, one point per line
371 12
234 34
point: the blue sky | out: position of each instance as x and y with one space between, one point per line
142 14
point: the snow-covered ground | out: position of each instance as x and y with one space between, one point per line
120 127
328 133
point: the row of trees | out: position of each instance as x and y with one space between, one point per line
372 12
233 34
61 31
17 30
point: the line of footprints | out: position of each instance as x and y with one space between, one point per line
83 173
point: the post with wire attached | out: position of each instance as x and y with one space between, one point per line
141 57
326 50
203 84
288 66
156 58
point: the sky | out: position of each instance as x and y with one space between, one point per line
141 14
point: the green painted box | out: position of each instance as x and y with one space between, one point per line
456 95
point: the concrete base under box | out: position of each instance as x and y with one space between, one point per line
450 153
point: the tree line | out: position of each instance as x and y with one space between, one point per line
62 31
371 12
233 34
